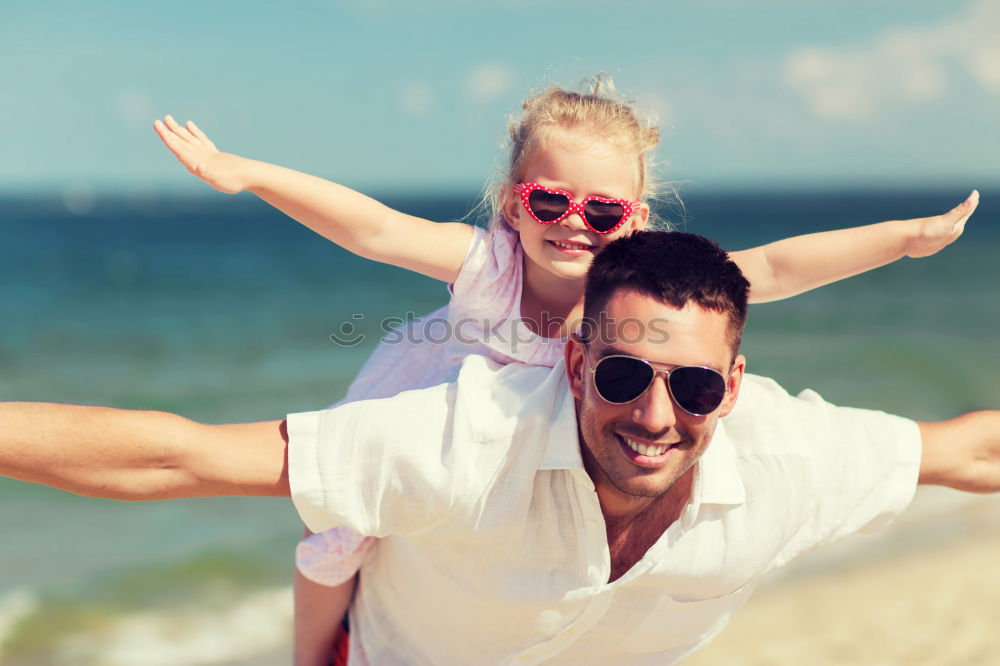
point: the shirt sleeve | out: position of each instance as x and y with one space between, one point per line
401 464
377 466
847 470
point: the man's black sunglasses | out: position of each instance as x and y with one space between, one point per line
696 389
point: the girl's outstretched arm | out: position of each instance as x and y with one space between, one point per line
794 265
350 219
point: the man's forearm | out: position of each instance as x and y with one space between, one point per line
135 455
962 453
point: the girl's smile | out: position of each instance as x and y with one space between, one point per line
573 248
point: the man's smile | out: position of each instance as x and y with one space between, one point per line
645 452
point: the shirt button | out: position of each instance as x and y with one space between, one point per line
548 621
592 524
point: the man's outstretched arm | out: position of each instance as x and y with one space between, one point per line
136 455
963 453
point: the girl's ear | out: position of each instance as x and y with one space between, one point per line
641 217
511 207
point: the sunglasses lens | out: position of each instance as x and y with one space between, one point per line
604 216
547 206
621 379
698 391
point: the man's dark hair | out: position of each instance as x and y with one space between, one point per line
673 267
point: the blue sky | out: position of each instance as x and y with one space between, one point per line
388 95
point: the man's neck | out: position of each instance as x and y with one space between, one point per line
632 533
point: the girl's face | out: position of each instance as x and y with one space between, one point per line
581 165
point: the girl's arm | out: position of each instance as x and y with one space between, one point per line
350 219
319 613
794 265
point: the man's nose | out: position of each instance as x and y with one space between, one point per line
654 410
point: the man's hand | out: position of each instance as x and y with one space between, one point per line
931 234
223 171
963 453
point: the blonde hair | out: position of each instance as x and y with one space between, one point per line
600 110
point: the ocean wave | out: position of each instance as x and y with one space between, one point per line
15 606
203 633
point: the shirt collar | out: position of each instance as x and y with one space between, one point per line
717 479
562 446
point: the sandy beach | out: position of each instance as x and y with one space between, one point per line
926 593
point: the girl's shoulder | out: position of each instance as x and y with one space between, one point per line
489 282
486 301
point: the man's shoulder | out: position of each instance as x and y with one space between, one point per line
810 438
487 401
768 418
492 400
483 374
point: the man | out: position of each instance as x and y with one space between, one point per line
598 512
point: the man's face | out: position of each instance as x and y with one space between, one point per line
610 433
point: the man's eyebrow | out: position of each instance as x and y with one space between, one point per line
611 350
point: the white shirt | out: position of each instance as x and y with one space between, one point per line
493 543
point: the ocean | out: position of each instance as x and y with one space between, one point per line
221 309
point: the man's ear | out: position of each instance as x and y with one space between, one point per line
733 385
574 353
511 207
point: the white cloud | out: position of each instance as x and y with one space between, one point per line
836 86
489 81
900 68
923 83
417 99
985 66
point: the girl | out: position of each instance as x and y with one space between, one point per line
579 176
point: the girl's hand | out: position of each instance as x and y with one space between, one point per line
930 234
223 171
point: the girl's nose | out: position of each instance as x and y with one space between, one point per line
574 221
